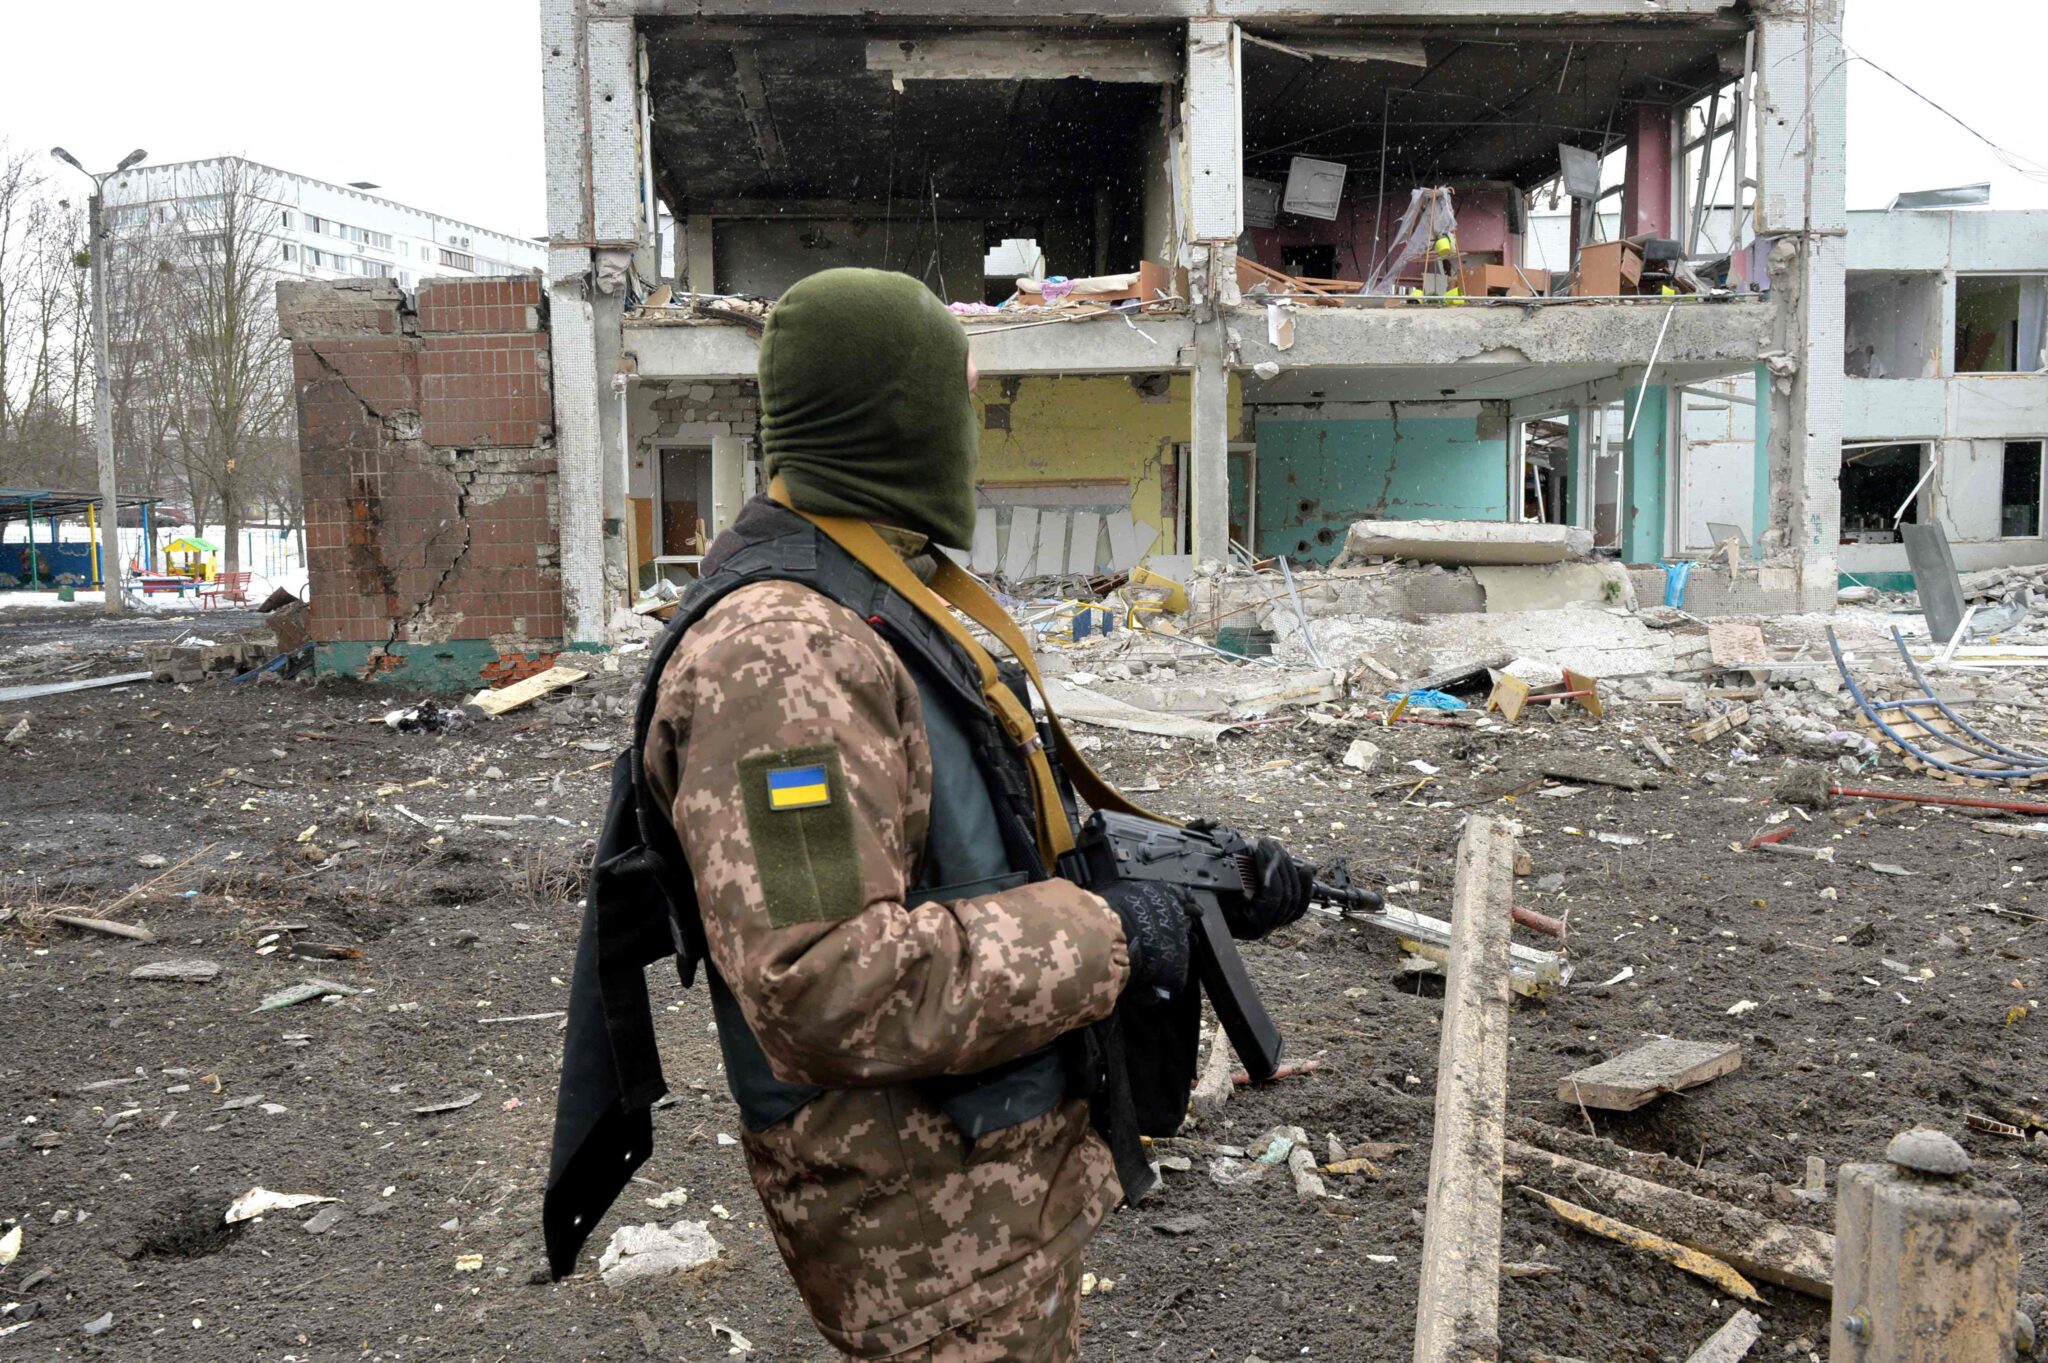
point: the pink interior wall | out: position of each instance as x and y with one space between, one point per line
1482 226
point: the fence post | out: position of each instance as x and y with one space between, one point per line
1927 1267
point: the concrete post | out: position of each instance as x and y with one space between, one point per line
1802 213
1927 1268
589 76
1209 450
1214 122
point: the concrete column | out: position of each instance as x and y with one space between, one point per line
1209 450
1802 213
1645 477
1646 183
1214 141
596 220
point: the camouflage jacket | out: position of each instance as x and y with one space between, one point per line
782 703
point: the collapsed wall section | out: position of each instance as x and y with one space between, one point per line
426 443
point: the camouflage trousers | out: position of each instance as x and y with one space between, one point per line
1042 1326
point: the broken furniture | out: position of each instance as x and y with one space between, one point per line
1932 738
1252 277
1608 269
1149 283
1511 695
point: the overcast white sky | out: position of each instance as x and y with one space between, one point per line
438 101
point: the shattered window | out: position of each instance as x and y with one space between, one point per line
2020 499
2001 324
1878 480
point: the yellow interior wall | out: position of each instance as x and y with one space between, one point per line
1066 429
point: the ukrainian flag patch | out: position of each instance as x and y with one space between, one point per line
798 787
800 822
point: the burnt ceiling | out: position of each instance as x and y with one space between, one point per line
753 114
1486 105
742 116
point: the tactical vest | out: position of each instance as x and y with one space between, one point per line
980 838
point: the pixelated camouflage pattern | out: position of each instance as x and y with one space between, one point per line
1041 1326
895 1229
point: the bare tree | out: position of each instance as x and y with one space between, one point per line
44 346
233 365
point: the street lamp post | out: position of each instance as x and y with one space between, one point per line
102 401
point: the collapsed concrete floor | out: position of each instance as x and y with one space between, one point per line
134 1110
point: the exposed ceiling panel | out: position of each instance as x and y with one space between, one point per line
1487 104
760 114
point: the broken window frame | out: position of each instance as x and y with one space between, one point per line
1917 509
1931 338
2006 506
2033 281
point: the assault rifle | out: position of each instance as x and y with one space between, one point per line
1209 863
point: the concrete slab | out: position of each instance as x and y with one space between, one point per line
1549 586
1464 542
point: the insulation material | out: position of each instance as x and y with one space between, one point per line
1429 215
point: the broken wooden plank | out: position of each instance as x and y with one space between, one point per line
1457 1319
1591 771
1535 972
1732 1342
1797 1257
1635 1077
1657 751
104 926
1703 1266
508 698
1707 730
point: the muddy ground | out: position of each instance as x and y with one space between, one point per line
133 1111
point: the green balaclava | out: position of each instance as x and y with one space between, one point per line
864 403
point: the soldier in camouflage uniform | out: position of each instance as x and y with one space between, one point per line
906 1239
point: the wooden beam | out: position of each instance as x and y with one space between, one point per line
1791 1256
1022 54
1457 1318
754 105
1732 1342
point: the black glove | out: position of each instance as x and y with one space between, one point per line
1155 919
1280 894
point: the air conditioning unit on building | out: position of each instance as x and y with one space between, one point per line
1315 189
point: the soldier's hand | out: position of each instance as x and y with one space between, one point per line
1282 887
1155 919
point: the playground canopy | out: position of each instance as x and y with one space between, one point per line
191 544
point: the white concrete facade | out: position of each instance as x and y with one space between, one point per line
1906 273
320 230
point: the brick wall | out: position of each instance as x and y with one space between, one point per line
426 440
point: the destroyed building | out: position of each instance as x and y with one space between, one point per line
1946 402
1236 272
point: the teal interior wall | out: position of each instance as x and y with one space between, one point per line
1642 532
1316 477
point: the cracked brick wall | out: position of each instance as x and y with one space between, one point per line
426 443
